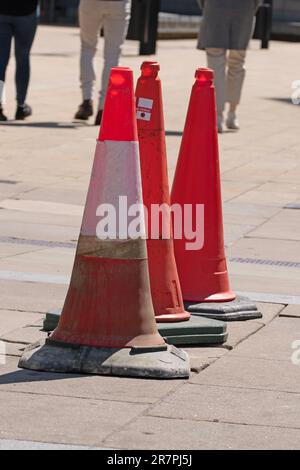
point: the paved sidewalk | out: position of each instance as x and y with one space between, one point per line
244 394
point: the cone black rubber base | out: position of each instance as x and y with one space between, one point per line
240 309
162 362
196 331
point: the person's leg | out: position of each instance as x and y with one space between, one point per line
235 80
5 46
24 32
116 23
90 19
216 60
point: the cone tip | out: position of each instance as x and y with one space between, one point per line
204 75
118 120
150 68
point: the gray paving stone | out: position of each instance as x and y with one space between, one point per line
162 433
273 342
231 405
291 311
14 350
11 320
284 225
248 373
80 386
31 297
25 335
261 248
239 331
6 444
64 420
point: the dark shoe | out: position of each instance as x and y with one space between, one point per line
2 116
23 112
85 110
98 118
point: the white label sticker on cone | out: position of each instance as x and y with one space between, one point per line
144 109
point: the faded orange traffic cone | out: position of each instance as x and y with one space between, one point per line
203 272
107 325
165 286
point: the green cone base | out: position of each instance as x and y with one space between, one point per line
197 331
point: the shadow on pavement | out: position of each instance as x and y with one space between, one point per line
27 376
45 125
282 100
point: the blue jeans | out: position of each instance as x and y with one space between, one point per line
22 29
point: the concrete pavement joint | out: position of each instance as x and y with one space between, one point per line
145 412
246 388
55 395
219 421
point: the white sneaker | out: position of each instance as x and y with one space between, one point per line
220 125
232 122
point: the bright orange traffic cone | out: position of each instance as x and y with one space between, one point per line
203 272
107 325
165 286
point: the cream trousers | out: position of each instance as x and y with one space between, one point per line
113 16
229 68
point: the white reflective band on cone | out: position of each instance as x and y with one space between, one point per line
116 180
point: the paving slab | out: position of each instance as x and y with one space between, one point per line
11 320
10 250
274 342
231 405
38 231
267 198
13 350
249 373
291 311
38 218
54 193
278 283
252 210
64 420
269 311
284 225
31 297
112 389
42 207
26 335
261 248
239 331
183 434
49 261
6 444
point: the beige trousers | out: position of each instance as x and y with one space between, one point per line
113 16
229 68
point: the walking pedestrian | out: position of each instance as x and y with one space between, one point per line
225 33
113 16
18 21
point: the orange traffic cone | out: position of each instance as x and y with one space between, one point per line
107 325
165 286
203 272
